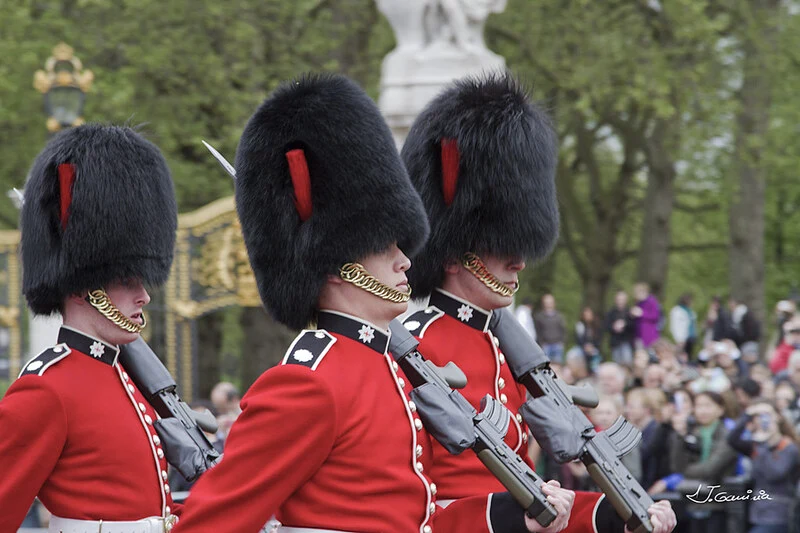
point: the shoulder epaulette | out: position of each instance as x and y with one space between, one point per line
45 360
419 321
309 348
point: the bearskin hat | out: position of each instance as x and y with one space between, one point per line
99 207
483 158
319 183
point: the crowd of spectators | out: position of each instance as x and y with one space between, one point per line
716 403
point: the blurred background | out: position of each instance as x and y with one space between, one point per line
679 128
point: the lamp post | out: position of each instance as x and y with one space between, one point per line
64 84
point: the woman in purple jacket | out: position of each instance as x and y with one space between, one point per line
647 313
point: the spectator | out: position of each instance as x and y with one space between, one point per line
743 326
786 401
576 367
784 312
642 408
647 313
621 329
746 391
760 372
611 380
524 314
654 377
225 399
716 317
790 342
551 329
699 457
683 324
641 360
776 465
792 372
587 338
725 355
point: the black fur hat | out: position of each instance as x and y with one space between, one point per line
99 207
346 195
483 158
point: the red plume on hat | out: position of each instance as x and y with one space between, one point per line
99 207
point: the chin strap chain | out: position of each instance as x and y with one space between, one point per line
476 267
100 301
356 274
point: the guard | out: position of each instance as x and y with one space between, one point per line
98 222
483 158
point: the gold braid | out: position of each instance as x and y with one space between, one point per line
356 274
474 264
100 301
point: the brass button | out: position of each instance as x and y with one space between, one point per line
401 382
433 508
164 475
501 383
412 406
504 398
395 366
502 359
160 453
433 489
427 529
148 420
519 418
419 467
496 341
419 450
418 424
524 437
166 488
156 440
142 408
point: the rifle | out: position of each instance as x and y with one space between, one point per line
452 421
565 432
180 428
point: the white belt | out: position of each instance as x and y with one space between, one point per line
284 529
154 524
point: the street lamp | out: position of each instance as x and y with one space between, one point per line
64 84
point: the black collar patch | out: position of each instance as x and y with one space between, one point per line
461 310
354 328
94 348
309 348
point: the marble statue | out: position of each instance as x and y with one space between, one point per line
437 41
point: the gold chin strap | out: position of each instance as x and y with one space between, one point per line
356 274
100 301
474 264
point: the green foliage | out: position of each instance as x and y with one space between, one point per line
186 71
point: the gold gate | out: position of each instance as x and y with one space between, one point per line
12 307
210 271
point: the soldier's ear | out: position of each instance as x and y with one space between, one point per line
452 267
334 279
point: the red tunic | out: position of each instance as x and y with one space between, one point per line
453 329
77 433
328 440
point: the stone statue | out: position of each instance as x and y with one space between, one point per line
437 41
